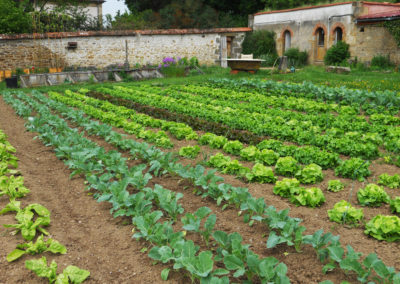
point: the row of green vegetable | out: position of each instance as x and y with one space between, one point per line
301 133
252 206
169 246
31 222
387 102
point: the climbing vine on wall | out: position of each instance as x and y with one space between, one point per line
394 28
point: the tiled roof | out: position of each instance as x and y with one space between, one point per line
327 5
387 14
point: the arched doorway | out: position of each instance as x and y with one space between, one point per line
320 44
287 40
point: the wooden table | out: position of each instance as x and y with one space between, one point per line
247 65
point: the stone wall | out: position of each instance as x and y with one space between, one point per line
101 49
372 40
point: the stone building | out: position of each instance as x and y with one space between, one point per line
93 8
316 28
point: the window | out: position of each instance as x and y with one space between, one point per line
338 34
320 36
288 40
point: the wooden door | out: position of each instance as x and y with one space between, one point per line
320 45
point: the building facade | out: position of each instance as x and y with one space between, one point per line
316 28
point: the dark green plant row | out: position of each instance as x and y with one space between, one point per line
381 130
273 127
327 245
387 102
304 154
70 145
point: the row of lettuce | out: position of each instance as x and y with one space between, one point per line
286 166
349 135
114 182
268 152
31 221
284 228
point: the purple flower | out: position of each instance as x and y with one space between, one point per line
159 66
169 60
166 65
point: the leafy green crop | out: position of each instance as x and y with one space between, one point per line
344 213
267 157
384 228
261 174
191 222
310 174
335 185
372 195
233 147
206 138
28 224
250 153
189 151
287 187
217 142
38 247
286 166
218 161
13 187
353 168
389 181
310 197
395 205
71 274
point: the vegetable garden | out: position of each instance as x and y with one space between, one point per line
229 181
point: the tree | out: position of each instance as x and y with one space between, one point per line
13 19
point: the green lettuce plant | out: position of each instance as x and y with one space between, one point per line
395 205
287 187
218 161
384 228
267 157
310 174
310 197
250 153
389 181
261 174
372 195
233 147
71 274
354 168
190 152
286 166
35 248
335 185
344 213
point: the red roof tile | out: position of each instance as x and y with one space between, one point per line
387 14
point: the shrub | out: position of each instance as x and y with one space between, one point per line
381 61
296 57
337 53
259 42
269 58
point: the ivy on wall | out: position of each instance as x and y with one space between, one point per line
394 28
